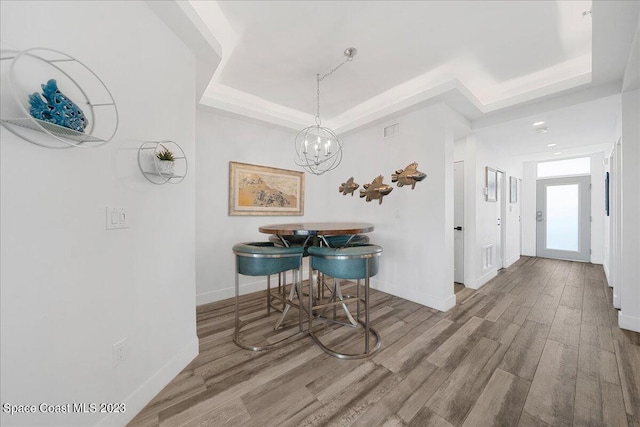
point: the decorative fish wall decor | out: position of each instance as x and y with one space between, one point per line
348 187
375 190
409 176
58 109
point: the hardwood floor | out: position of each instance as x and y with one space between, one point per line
539 345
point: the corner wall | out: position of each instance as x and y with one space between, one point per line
481 216
69 288
415 227
629 315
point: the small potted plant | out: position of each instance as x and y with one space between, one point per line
165 161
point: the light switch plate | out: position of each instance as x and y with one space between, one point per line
116 217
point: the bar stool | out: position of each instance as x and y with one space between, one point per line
358 262
288 241
265 259
345 240
340 241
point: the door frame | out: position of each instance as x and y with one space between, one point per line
584 231
503 213
464 218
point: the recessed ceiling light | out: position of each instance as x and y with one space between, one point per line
551 145
542 130
557 152
538 123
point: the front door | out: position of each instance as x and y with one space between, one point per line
563 218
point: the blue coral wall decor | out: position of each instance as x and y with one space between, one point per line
58 109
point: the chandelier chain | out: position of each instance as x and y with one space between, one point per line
319 149
319 79
349 59
318 98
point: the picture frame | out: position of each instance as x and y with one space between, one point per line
256 190
513 189
491 188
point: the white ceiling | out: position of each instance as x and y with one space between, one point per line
486 59
496 49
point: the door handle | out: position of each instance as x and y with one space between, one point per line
459 228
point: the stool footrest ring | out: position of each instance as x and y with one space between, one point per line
350 356
283 342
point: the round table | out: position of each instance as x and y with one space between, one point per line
316 233
317 228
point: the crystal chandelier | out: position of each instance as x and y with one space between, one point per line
318 148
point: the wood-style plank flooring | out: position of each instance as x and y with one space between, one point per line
539 345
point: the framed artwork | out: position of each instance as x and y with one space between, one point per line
263 191
491 184
513 189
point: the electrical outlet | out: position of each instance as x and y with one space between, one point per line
119 352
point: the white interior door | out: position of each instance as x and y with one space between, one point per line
500 206
458 222
564 218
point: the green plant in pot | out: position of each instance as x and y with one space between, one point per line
165 161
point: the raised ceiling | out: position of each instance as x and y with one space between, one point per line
479 56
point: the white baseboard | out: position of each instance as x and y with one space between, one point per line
630 323
605 266
483 279
448 303
137 400
511 261
220 294
439 303
259 285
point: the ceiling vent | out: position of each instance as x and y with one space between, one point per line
392 130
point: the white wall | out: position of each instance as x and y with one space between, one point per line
623 226
622 267
481 216
221 139
415 227
69 288
529 209
597 208
629 315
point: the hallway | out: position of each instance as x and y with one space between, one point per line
538 344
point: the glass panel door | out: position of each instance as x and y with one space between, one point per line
563 211
564 218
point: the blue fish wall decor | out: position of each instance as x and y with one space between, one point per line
58 109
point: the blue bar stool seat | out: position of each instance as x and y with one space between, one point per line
266 259
354 263
345 240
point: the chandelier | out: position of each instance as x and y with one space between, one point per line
318 148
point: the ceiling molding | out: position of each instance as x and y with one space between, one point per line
185 22
552 90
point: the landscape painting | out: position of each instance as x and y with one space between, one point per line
262 190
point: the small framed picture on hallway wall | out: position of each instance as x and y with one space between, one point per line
491 184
